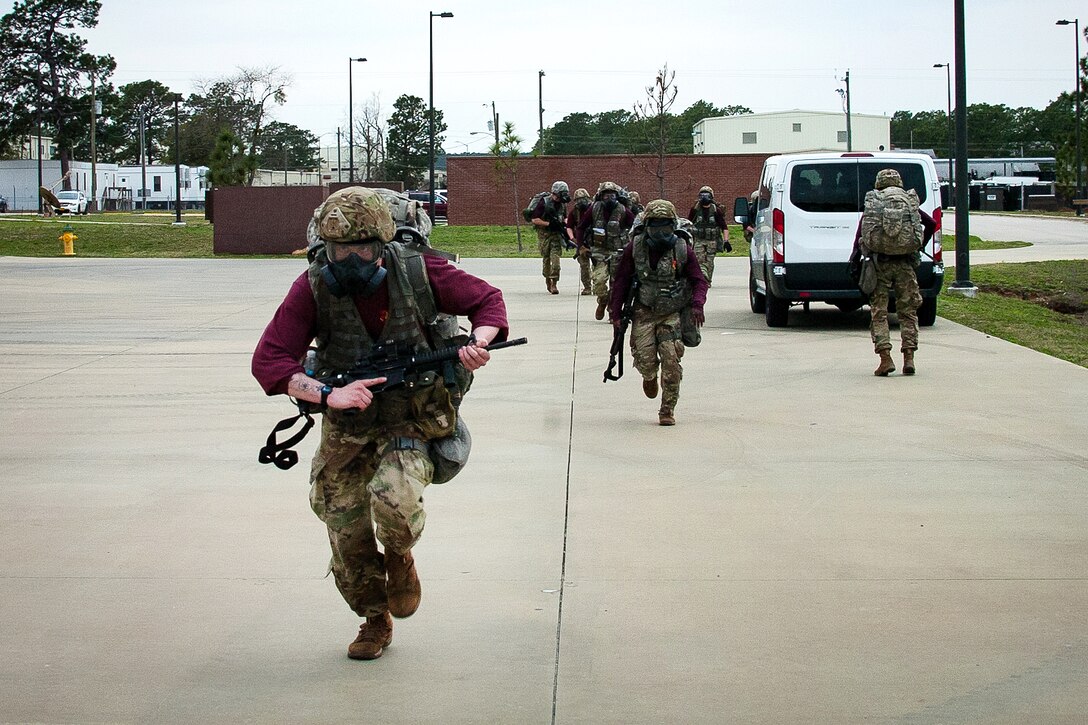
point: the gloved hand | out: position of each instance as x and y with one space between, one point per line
698 316
728 247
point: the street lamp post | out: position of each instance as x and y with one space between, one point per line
963 284
951 134
494 121
431 101
351 130
1079 192
177 165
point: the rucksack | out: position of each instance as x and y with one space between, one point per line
527 212
891 223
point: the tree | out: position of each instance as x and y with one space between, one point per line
370 135
230 163
286 145
45 72
210 112
652 118
155 102
408 144
506 153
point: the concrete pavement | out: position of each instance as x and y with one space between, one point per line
809 543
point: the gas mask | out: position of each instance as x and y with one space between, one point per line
564 196
609 200
660 234
704 198
347 274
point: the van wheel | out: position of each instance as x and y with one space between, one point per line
927 313
756 300
777 310
849 305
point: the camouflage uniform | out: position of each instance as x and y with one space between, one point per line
709 237
898 274
605 248
551 240
655 340
894 273
582 201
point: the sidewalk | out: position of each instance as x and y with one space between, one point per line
809 544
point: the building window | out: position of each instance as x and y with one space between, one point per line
797 128
156 182
842 136
748 137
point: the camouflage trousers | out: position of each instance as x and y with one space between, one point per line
655 342
551 249
365 495
584 267
704 252
601 275
899 276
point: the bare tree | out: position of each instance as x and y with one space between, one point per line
506 153
370 135
654 121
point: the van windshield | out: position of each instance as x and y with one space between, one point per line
841 186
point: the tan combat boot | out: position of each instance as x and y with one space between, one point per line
599 314
908 362
886 364
649 387
402 589
374 636
665 417
553 287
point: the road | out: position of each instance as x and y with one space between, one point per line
1050 237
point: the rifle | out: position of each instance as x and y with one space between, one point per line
627 313
394 363
559 226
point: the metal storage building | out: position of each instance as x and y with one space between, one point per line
790 132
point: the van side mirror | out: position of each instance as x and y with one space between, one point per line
740 210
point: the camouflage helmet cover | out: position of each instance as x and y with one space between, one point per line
659 209
559 187
581 194
608 186
355 214
888 177
634 196
707 189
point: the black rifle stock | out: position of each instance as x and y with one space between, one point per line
382 362
627 313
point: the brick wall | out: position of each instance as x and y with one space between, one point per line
479 197
263 219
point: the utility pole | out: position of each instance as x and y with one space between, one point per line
540 103
495 119
93 205
177 164
143 164
339 177
849 134
963 284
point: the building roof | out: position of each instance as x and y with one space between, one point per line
797 112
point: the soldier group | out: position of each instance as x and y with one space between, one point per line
364 291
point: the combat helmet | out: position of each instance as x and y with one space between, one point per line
707 190
355 214
607 186
580 193
888 177
660 209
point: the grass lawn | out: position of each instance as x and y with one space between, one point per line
1041 305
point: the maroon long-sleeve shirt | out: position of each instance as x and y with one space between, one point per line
292 329
625 272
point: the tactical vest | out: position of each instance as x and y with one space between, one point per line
614 237
706 227
664 290
425 407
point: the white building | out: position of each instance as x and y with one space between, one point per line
118 187
790 132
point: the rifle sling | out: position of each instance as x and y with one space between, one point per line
280 453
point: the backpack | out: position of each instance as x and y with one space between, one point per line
527 212
891 223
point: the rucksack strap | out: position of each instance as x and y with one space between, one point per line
279 453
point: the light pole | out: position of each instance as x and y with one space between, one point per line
177 165
963 284
351 131
951 135
494 121
1079 192
431 102
540 106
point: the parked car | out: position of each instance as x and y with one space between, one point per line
73 202
806 217
440 202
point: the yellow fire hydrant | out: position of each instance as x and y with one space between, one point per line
67 238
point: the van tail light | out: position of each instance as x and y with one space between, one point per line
938 244
778 236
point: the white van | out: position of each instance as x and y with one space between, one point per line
806 217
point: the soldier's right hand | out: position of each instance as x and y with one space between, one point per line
353 395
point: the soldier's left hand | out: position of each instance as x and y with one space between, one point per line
474 356
728 247
699 317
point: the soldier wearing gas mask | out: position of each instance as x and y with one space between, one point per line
711 234
665 272
372 464
604 228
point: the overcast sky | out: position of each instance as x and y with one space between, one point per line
596 56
